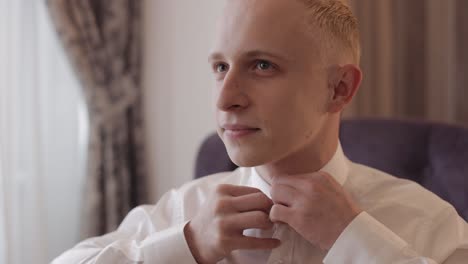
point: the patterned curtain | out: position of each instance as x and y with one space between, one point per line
415 59
102 40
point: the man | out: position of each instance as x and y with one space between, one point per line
284 71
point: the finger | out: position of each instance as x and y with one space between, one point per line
248 220
283 194
253 243
235 190
252 202
281 213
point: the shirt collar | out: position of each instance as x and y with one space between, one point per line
337 167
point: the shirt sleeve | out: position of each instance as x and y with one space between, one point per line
148 234
366 240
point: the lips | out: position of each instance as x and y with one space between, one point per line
237 127
237 131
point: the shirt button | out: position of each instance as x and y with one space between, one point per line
279 261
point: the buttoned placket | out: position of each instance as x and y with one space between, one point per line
285 252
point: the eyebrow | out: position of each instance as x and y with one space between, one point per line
254 53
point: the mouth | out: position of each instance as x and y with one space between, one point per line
238 131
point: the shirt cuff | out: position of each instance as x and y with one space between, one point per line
366 240
168 246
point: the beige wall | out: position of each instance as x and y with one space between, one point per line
178 36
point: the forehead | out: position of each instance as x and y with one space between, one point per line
274 26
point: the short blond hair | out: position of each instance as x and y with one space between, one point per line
335 18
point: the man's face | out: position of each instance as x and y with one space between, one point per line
271 89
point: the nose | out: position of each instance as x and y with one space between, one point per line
231 95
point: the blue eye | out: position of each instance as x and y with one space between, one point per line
264 65
221 67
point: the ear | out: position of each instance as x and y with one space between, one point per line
344 83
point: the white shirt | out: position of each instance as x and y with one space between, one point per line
402 223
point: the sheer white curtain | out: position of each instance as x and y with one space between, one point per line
43 135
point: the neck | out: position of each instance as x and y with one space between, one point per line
309 159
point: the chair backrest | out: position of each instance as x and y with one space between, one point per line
433 154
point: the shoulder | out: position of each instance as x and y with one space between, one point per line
405 207
385 196
378 188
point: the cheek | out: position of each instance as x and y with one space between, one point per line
281 106
286 122
296 119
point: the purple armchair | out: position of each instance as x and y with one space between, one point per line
432 154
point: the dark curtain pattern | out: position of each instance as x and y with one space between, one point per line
415 59
102 39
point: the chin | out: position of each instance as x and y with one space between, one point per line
248 152
246 158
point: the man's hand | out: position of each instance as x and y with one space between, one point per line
314 205
217 229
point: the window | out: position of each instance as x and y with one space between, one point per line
43 138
